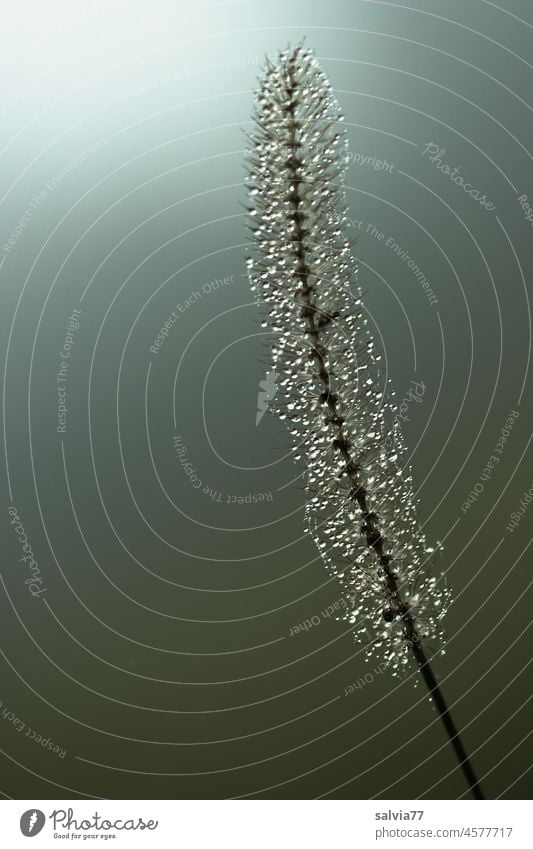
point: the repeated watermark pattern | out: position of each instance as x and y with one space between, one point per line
338 606
412 266
216 495
435 155
415 394
186 304
491 463
267 392
9 101
34 581
518 514
20 726
62 374
368 678
49 187
371 161
371 230
185 73
527 209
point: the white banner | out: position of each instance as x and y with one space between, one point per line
268 824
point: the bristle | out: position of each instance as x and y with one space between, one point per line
360 506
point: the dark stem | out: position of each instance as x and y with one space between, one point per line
449 724
316 321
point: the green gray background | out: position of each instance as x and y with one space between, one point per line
159 656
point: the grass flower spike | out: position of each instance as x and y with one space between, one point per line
360 507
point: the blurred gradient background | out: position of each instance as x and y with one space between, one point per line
167 526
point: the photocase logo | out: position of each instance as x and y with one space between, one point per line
267 392
32 822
